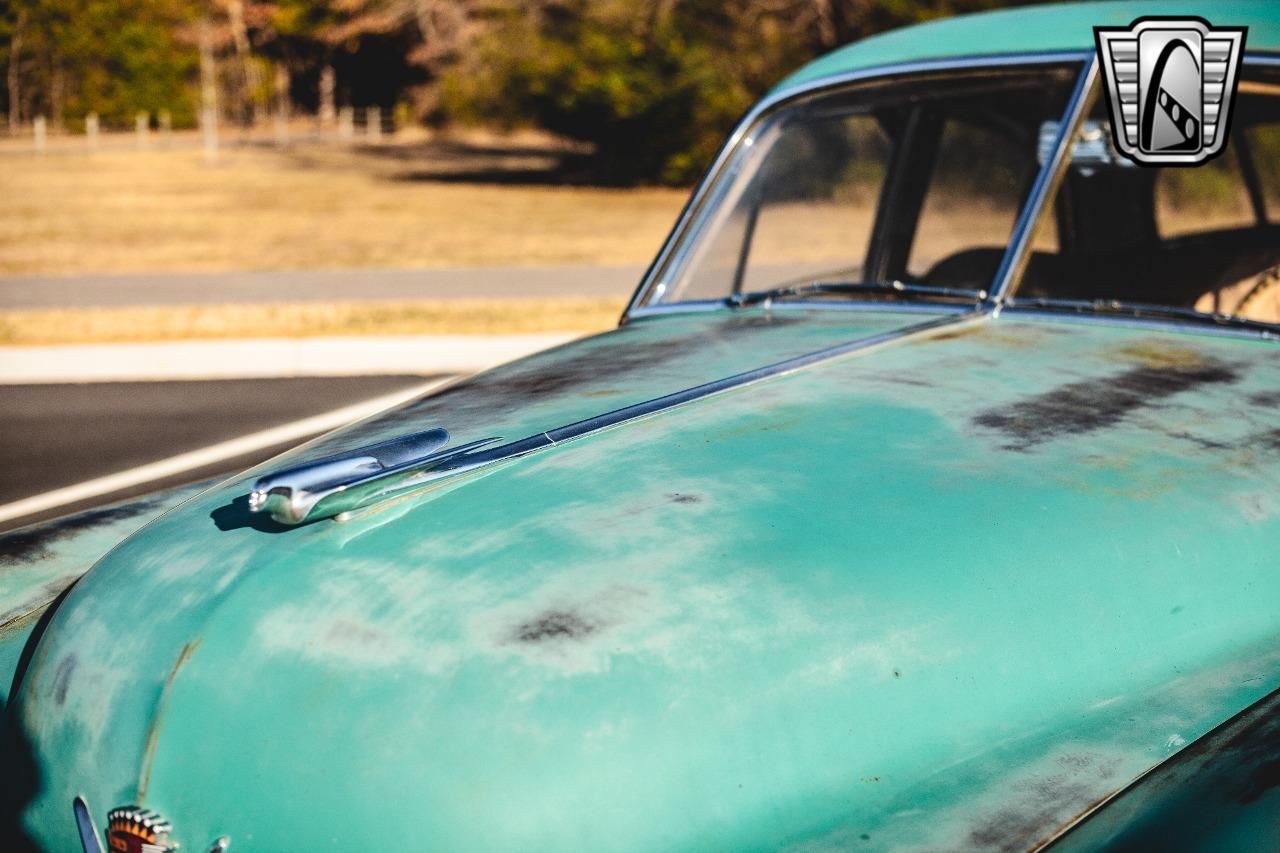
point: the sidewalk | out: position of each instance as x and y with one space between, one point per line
112 291
268 357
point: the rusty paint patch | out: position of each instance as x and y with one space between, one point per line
1158 353
952 334
555 625
152 740
62 678
1079 408
36 598
36 542
1266 399
1074 819
1019 824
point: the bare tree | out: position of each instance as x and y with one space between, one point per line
14 75
250 79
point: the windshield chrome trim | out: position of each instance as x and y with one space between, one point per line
1045 189
702 306
362 489
711 178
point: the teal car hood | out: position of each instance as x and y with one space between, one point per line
953 589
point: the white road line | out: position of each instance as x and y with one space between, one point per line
255 358
213 453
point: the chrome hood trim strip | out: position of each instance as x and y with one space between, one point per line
334 486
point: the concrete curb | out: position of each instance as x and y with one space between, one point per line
262 358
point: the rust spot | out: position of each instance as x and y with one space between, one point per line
555 625
1162 354
1080 408
1074 819
157 717
952 334
606 363
36 542
35 599
756 321
679 498
1269 439
1038 809
897 674
1266 399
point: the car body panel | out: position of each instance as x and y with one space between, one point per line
953 591
1041 29
39 561
960 586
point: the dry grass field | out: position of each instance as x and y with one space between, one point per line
402 205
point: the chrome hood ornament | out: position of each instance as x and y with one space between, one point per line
336 484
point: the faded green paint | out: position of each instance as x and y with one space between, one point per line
1041 29
955 588
39 561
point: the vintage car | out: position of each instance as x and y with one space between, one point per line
927 496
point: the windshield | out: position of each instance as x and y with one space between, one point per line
908 189
1200 239
888 182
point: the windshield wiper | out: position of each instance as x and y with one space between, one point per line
902 288
1143 309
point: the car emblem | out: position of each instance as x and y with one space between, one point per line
131 829
1170 83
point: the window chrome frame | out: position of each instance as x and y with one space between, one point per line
715 182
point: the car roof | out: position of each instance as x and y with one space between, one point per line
1034 29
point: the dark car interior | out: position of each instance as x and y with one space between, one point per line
1111 246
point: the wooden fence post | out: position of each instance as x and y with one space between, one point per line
282 104
166 128
208 94
91 130
346 124
328 86
39 128
373 125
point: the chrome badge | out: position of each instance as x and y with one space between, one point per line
131 829
1170 83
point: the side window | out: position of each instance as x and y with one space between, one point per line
1209 197
973 197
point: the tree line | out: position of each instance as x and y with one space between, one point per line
650 85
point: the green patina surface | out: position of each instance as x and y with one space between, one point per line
1032 30
38 562
947 592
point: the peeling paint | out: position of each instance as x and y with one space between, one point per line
156 725
1079 408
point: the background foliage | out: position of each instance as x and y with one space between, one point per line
649 87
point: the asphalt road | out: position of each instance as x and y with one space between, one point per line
317 286
53 436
